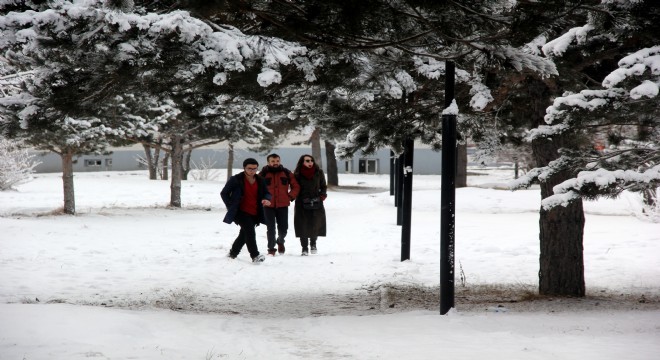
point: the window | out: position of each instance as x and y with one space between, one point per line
108 162
92 162
368 166
348 166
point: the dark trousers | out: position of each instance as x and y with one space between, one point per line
279 216
304 241
247 235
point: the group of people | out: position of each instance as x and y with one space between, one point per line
263 198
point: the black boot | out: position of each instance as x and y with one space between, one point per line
312 244
303 243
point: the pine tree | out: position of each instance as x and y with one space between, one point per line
628 119
391 49
83 54
487 39
591 38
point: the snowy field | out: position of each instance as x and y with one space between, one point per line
128 278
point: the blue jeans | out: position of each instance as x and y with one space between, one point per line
279 216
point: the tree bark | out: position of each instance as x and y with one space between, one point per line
185 164
67 182
315 139
230 161
561 270
152 161
650 197
165 173
561 229
515 169
461 165
177 172
333 176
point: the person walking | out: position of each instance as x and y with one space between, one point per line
309 213
284 188
245 195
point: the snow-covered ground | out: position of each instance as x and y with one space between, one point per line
128 278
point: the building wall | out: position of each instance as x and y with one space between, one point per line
427 161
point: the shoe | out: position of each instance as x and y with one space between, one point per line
305 252
313 248
258 259
231 256
271 252
280 248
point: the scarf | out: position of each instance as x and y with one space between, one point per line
307 172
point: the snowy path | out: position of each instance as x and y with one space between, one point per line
74 332
162 288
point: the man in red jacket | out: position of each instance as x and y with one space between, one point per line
283 186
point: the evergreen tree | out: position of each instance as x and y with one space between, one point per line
486 39
624 115
589 39
83 54
393 48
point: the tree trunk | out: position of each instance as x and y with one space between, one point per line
461 165
230 161
333 176
561 262
152 161
316 146
561 233
177 172
166 171
185 164
650 197
515 169
67 182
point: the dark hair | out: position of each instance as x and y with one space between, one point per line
302 160
250 161
273 155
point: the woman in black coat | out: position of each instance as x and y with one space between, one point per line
309 213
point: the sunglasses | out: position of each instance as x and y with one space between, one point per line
309 160
251 168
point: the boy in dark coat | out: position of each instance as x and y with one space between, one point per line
245 195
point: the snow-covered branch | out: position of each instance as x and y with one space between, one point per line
559 116
644 63
16 164
221 49
601 182
541 174
558 46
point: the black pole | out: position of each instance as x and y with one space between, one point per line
399 189
448 197
392 172
407 199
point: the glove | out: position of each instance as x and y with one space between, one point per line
323 197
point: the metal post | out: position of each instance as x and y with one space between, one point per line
448 197
399 189
391 172
407 199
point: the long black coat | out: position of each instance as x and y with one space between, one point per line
232 194
310 223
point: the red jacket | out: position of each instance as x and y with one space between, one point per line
282 185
